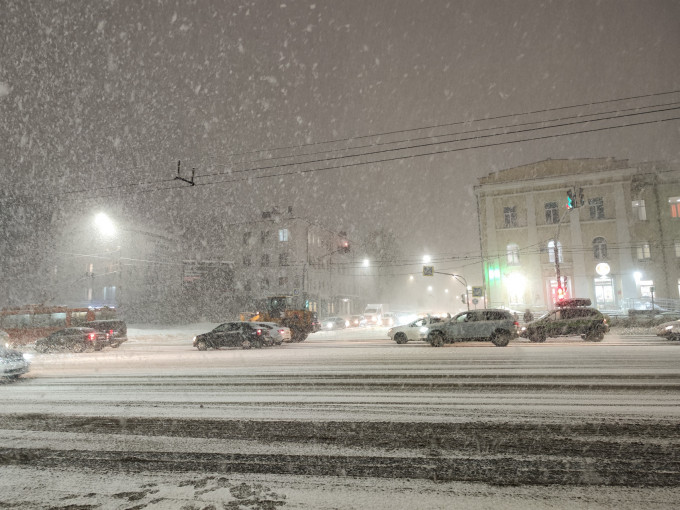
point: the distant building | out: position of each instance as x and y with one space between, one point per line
281 254
135 269
617 247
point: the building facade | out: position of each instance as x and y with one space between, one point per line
619 245
281 254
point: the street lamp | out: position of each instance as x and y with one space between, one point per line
427 259
106 227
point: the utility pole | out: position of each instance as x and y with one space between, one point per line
575 200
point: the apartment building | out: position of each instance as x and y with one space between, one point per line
618 245
281 254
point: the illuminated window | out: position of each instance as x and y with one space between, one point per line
643 252
600 248
675 206
513 254
639 211
551 251
283 235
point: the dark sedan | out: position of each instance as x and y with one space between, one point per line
116 329
233 334
73 339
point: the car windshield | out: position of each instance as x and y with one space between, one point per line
317 241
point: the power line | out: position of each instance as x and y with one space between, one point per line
401 157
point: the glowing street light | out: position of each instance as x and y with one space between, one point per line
366 263
427 259
106 227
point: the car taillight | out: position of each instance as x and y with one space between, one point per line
91 336
110 332
258 332
281 331
516 324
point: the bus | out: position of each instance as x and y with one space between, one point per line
25 324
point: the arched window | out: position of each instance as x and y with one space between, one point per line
551 251
600 248
513 254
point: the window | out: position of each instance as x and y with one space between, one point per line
246 260
246 286
264 260
551 251
600 248
677 249
510 215
596 208
246 238
675 206
283 280
643 252
283 259
283 235
264 234
265 283
639 211
552 214
513 254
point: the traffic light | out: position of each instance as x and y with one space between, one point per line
560 293
570 199
581 198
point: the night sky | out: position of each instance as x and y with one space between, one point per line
96 95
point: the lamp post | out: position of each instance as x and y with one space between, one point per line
460 279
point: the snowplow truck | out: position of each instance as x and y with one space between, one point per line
280 309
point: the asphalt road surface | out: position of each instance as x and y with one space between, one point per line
345 420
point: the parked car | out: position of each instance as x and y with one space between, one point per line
115 328
669 330
334 323
4 339
416 330
12 363
568 319
276 332
78 339
233 334
356 321
498 326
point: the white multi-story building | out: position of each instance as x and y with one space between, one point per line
619 245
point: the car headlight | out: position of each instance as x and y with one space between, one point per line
668 328
193 339
27 356
524 328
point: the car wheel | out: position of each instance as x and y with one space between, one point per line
501 338
246 344
537 336
436 339
201 345
594 335
400 338
78 347
115 345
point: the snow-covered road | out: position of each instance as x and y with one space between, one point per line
352 406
